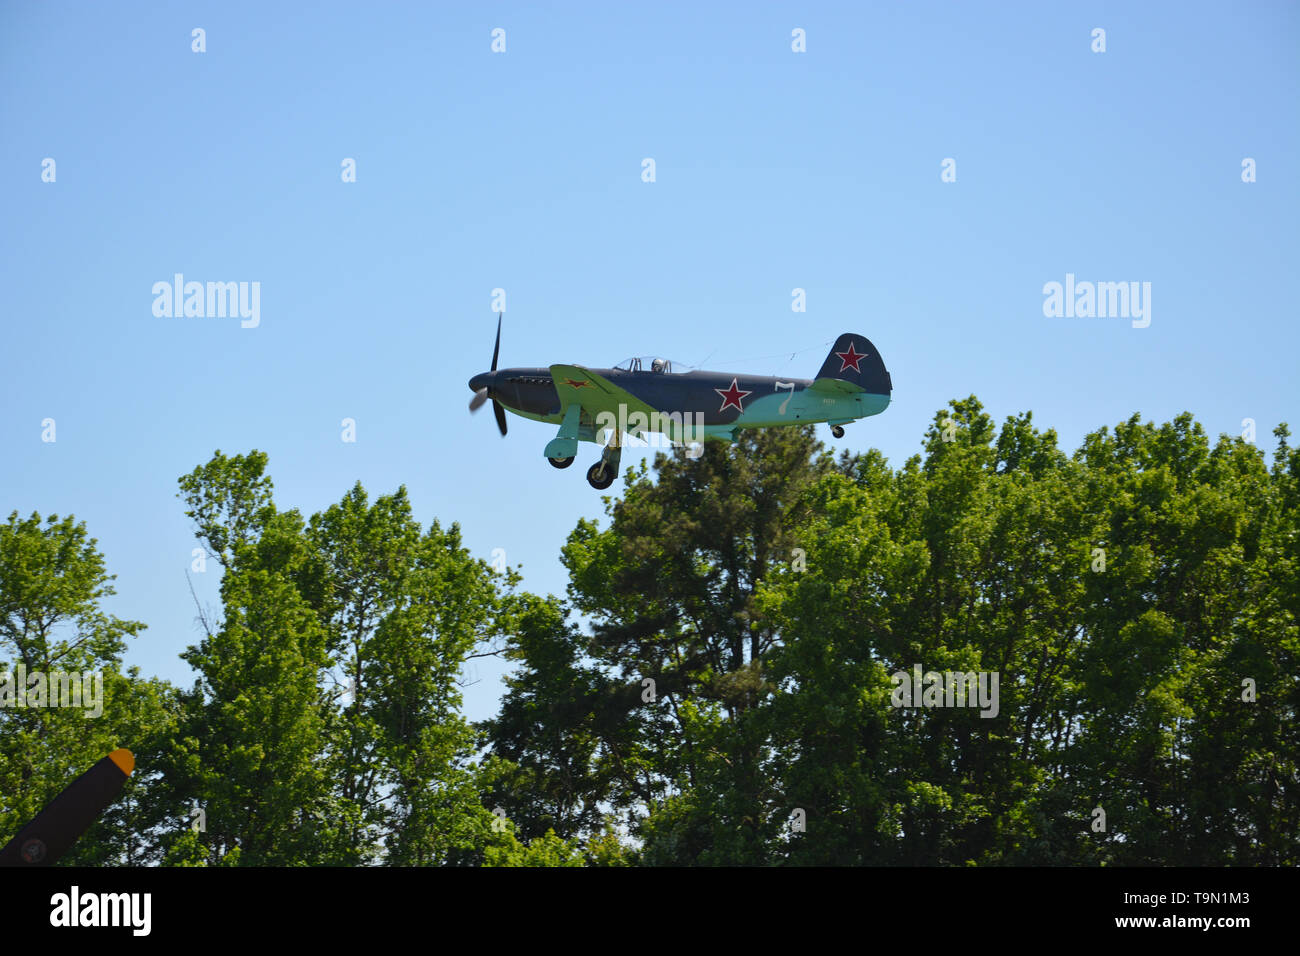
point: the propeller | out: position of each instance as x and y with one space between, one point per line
501 416
481 396
52 832
496 349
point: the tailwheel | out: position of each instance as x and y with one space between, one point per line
598 477
561 462
837 431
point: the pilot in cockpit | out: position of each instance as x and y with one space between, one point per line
658 365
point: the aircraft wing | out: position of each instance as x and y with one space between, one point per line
594 393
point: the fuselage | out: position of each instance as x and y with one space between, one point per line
720 401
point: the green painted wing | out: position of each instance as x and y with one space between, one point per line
594 393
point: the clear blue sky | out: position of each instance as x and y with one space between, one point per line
522 170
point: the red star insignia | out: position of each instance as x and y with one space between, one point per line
852 358
575 384
732 396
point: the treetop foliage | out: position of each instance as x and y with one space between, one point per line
723 682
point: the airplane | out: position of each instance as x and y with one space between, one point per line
642 395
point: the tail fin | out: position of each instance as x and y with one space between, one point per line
855 361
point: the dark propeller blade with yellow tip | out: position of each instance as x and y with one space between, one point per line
53 831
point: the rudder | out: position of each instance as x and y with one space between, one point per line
855 360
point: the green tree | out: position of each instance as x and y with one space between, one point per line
327 727
254 724
669 587
1137 601
53 580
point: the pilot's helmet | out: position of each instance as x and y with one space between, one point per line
658 365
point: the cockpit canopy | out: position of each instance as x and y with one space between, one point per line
647 363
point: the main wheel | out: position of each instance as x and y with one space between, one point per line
561 462
598 478
837 431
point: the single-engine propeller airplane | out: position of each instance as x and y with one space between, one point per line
643 395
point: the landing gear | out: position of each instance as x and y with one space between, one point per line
598 477
837 431
602 474
561 462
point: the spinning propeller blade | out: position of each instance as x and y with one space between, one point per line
481 395
496 349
